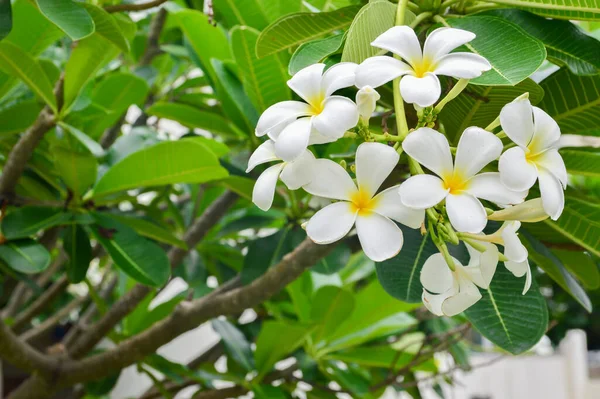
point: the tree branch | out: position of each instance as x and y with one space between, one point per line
134 7
40 303
23 356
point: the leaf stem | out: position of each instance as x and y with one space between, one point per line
420 18
481 7
494 124
456 90
448 3
441 20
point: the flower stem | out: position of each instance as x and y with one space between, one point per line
447 257
482 7
420 18
401 123
441 20
413 7
495 123
456 90
385 137
448 3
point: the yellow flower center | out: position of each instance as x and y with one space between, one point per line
531 157
317 104
421 68
362 203
456 183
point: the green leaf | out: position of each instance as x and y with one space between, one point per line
139 138
148 229
400 275
276 340
263 391
27 112
481 105
6 23
585 163
573 101
217 148
235 343
314 52
164 163
512 321
294 29
263 253
92 146
25 256
18 63
107 27
242 186
79 250
143 317
70 16
331 306
27 221
559 9
376 314
548 262
254 13
207 41
335 261
374 356
265 78
579 222
191 117
513 54
75 164
371 21
566 44
581 265
139 258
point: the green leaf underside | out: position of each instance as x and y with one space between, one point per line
573 101
400 275
107 27
513 54
69 16
559 9
313 52
510 320
25 256
79 250
235 343
164 163
276 340
548 262
148 229
294 29
27 221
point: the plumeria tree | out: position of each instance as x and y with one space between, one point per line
340 189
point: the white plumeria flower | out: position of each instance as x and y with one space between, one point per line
366 101
536 157
323 118
448 292
420 84
514 250
530 211
458 183
373 215
294 174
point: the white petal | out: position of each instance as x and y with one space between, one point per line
366 101
516 119
462 65
433 302
337 77
376 71
318 138
264 153
400 40
331 223
389 205
339 114
436 276
476 148
466 213
515 172
443 40
513 248
279 115
423 91
545 133
460 302
374 163
422 191
299 172
379 237
330 181
307 83
552 161
520 269
293 140
264 188
488 186
482 265
553 197
430 149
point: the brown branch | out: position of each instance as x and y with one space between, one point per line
131 299
52 321
134 7
152 47
23 356
40 303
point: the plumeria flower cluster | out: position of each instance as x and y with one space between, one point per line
451 192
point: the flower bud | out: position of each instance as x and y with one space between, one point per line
529 211
366 100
